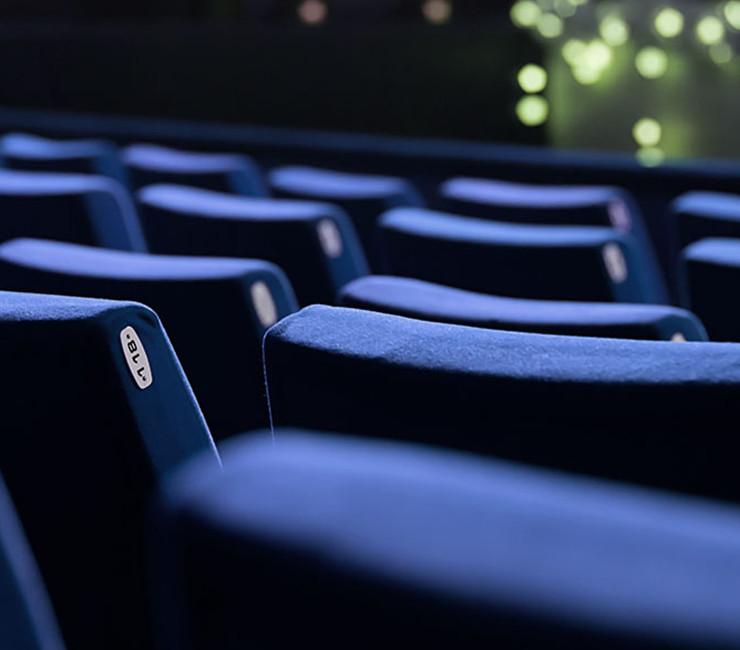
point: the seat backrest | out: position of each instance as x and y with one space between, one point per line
364 197
436 302
701 215
523 261
149 164
351 542
91 210
96 411
34 153
215 310
26 619
652 412
314 243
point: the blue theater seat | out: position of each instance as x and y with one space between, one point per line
356 543
524 261
712 275
149 164
314 243
653 412
26 619
700 215
364 198
96 410
70 207
215 310
435 302
33 153
553 205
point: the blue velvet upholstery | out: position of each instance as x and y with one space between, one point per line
84 444
571 205
69 207
699 215
215 311
525 261
712 274
654 412
364 198
26 619
34 153
314 243
435 302
339 542
148 164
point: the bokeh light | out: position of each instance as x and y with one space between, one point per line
614 30
669 22
532 110
651 62
550 25
573 51
525 13
437 12
647 132
710 30
732 13
532 78
650 156
312 12
721 53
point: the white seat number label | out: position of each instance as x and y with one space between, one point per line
138 362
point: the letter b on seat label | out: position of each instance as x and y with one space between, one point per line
138 362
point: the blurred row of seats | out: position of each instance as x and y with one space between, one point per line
527 456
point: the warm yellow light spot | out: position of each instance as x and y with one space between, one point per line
532 78
614 30
550 25
532 110
525 13
647 132
312 12
437 12
721 53
650 156
669 22
710 30
651 62
573 51
732 13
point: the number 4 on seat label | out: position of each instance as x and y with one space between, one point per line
138 362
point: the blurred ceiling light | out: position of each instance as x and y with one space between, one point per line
614 30
437 11
647 132
312 12
532 110
525 13
532 78
668 22
710 30
651 62
732 13
550 25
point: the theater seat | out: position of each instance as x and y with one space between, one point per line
554 205
357 543
314 243
435 302
523 261
215 310
652 412
26 619
96 410
364 198
712 273
34 153
700 215
69 207
148 164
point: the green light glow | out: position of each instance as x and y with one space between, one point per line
532 110
721 53
525 13
598 55
586 75
565 8
614 30
647 132
651 62
550 25
532 78
732 13
573 51
650 156
710 30
669 22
